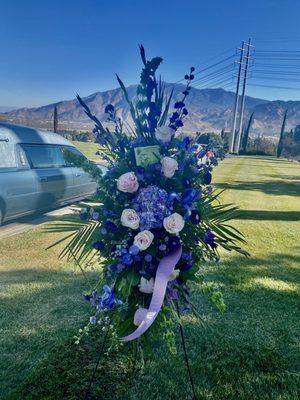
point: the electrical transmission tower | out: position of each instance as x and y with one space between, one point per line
236 102
239 134
243 68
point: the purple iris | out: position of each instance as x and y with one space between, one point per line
195 217
148 258
207 177
179 104
209 239
189 196
171 295
116 269
95 215
98 245
108 299
185 267
201 154
109 109
174 243
111 227
83 214
184 144
186 182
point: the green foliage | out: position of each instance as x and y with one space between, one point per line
218 301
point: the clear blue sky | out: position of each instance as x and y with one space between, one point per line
52 49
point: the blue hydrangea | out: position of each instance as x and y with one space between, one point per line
152 205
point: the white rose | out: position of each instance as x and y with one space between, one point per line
130 218
143 240
146 286
128 183
164 134
169 166
139 316
173 275
174 223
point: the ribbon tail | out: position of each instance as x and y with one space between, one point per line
164 269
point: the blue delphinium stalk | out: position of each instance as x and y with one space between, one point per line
176 119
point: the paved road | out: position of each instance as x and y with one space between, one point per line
30 222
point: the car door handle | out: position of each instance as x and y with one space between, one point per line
78 174
43 179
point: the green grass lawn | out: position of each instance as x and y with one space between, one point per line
250 352
88 149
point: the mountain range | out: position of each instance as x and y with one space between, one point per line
209 110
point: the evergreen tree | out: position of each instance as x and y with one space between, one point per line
55 119
281 138
245 137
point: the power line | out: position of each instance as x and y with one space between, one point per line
217 76
210 66
230 66
275 78
276 65
275 72
229 85
277 51
217 83
273 87
215 64
214 82
277 58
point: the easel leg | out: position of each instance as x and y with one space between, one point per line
186 359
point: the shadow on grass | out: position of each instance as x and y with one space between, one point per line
250 352
266 215
278 188
38 310
287 177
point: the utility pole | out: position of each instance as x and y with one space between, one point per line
239 135
55 119
236 101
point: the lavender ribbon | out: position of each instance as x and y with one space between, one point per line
164 269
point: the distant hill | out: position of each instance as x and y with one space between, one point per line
209 110
4 109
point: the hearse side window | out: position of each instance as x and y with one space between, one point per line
71 150
44 155
21 157
7 154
